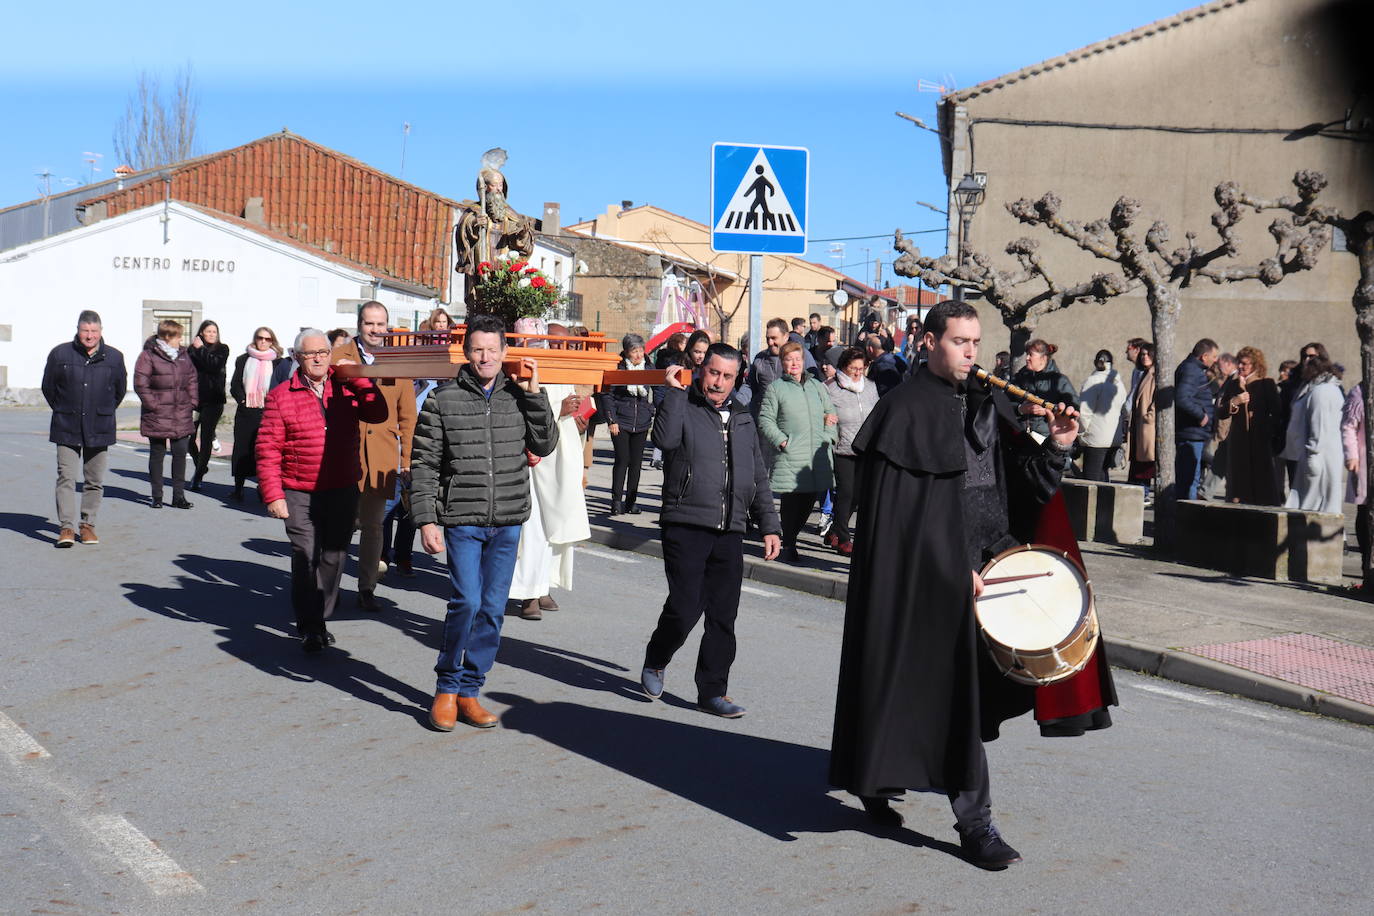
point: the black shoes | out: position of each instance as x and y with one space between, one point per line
617 509
631 509
367 600
790 555
181 502
983 846
881 811
155 503
195 484
314 642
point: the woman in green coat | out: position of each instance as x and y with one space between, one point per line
798 422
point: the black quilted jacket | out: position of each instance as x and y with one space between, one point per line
468 459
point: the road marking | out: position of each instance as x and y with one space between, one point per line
761 592
1204 700
151 865
606 555
17 743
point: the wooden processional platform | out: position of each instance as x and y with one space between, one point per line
561 360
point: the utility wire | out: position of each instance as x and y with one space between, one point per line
881 235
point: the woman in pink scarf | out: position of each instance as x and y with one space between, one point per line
251 381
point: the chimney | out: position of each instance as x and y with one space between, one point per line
625 205
252 211
553 221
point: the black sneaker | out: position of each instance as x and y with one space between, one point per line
313 642
983 846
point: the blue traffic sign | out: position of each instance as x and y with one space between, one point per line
758 198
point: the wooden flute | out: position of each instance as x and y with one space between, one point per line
1014 391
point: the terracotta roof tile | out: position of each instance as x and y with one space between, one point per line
318 197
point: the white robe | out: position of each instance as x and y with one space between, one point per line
558 512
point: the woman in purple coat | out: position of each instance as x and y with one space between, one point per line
166 384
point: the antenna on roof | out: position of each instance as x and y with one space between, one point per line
92 161
405 135
945 86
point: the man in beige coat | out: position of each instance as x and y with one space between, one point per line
384 450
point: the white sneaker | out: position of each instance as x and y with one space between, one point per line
214 447
826 522
381 568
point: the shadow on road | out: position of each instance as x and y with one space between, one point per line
249 606
775 787
34 526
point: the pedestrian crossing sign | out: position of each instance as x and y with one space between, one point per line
758 198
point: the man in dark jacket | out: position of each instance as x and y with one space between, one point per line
714 480
1193 410
885 368
83 382
470 493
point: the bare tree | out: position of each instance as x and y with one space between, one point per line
1359 240
1144 262
1016 294
156 130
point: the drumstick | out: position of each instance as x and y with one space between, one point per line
1000 579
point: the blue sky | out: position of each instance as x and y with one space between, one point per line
596 102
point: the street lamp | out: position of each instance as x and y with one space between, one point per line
968 195
915 120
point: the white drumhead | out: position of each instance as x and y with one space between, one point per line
1033 613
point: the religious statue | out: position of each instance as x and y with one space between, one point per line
488 227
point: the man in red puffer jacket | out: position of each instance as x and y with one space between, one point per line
308 472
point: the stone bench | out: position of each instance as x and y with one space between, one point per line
1108 512
1265 541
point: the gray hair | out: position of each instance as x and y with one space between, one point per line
630 341
307 332
88 316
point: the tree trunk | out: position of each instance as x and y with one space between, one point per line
1020 336
1164 311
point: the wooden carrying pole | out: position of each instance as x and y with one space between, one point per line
439 354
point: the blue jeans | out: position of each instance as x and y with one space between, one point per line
1188 469
481 564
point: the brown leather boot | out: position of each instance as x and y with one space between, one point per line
66 538
443 712
529 610
470 712
88 535
548 604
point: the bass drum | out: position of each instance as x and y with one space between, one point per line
1036 614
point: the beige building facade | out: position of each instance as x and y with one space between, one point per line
1163 114
792 287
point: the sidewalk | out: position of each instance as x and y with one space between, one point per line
1285 643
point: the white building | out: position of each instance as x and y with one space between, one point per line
178 261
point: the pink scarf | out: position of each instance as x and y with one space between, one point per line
257 376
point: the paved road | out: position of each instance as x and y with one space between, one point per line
164 748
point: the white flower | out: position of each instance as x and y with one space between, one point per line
524 281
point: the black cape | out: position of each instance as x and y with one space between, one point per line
917 690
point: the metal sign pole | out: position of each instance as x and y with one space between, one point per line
755 306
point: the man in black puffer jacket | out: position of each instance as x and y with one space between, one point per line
714 479
470 493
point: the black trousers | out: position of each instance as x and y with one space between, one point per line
629 456
973 806
157 450
1364 534
846 466
794 509
204 446
1095 462
319 526
704 570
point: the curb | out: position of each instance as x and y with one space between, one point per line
1169 664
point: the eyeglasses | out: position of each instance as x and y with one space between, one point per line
262 337
1309 356
313 354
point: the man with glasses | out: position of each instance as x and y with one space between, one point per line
308 477
385 451
84 381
